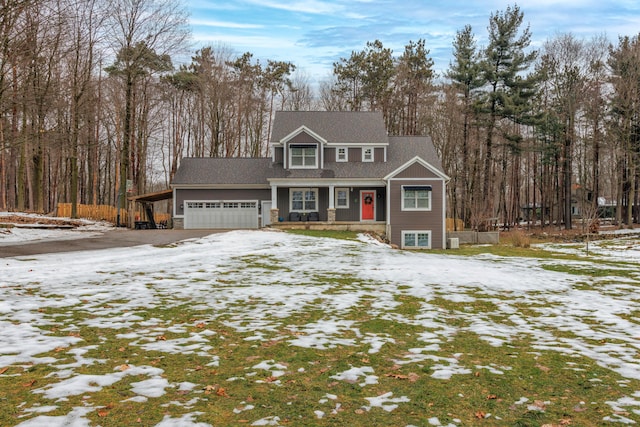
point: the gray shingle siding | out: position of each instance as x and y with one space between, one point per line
417 220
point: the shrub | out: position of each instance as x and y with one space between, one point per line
519 239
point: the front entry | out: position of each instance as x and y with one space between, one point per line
368 205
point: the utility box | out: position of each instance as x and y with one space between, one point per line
453 243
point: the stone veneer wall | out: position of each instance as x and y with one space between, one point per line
178 223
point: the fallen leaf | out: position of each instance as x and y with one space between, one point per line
413 377
543 368
200 325
123 367
492 397
222 392
271 379
103 413
29 384
480 414
74 334
476 374
161 338
3 370
359 411
565 422
397 376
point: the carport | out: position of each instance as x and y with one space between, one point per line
144 203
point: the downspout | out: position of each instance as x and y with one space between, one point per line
388 202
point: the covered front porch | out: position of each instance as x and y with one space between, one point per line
347 205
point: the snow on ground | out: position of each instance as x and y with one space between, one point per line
113 284
31 233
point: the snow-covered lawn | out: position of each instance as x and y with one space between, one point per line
256 282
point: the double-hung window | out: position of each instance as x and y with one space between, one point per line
367 154
342 154
303 156
303 199
342 198
416 197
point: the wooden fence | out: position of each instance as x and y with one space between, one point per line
105 213
459 224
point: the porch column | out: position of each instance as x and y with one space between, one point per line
274 215
332 196
331 211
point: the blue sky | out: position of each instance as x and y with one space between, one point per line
313 34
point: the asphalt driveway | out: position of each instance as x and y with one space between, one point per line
110 239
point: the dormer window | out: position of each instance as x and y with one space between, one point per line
303 156
342 154
367 154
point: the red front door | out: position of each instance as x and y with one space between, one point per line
368 205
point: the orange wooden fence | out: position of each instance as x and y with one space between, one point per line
459 224
105 213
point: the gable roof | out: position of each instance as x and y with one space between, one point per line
335 127
401 150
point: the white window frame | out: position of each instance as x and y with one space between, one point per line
346 154
303 147
415 199
337 199
415 234
368 157
304 199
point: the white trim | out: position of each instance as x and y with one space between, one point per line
346 154
337 206
373 154
303 189
357 144
444 216
405 232
427 165
297 132
375 196
317 162
320 182
415 209
219 187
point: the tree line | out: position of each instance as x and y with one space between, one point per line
93 107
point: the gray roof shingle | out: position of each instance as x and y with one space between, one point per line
340 127
344 127
225 170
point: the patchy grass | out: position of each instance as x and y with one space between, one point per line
301 339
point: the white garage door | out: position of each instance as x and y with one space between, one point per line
221 214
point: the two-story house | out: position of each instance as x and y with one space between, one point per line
334 168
